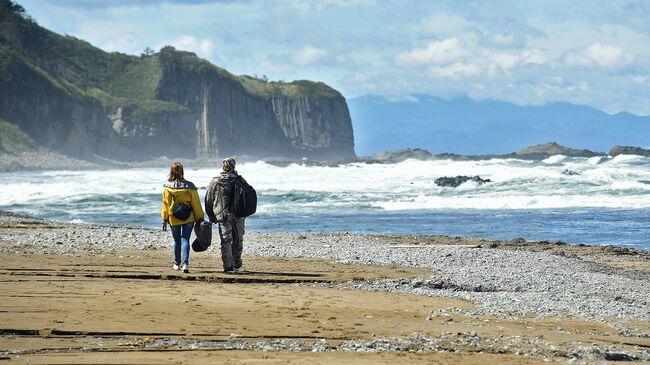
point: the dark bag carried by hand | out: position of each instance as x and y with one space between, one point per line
203 233
244 199
181 211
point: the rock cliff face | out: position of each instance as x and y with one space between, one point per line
51 116
70 96
230 120
318 127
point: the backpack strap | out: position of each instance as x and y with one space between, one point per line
220 195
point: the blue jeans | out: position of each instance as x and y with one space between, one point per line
181 234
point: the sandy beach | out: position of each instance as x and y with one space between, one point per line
79 293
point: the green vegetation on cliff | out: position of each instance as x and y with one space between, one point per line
82 71
293 89
13 140
189 62
72 97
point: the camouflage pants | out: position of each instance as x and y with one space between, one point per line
232 242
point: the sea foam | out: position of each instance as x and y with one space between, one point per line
409 185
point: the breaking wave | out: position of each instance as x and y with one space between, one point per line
390 197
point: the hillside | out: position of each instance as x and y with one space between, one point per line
469 127
70 96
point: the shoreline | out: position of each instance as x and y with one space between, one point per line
33 235
48 160
485 300
483 242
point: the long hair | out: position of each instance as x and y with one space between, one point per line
175 172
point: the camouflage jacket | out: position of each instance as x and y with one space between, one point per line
218 195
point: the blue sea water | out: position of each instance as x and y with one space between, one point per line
606 202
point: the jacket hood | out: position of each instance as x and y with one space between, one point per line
226 177
180 184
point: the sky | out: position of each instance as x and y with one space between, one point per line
592 52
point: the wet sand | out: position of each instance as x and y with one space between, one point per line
129 306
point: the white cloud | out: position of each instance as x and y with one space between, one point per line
305 6
308 55
125 43
402 98
361 76
596 54
454 71
544 52
508 61
607 56
435 53
502 39
442 23
533 56
505 61
202 47
268 67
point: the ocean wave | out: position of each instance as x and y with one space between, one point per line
554 159
630 185
513 202
597 159
516 184
628 159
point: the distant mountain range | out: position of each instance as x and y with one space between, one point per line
465 126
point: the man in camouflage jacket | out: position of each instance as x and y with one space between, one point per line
217 207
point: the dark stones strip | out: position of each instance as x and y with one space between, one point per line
237 278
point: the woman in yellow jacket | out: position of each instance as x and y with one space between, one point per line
181 207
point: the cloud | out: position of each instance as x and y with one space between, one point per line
596 54
126 43
267 66
454 71
304 6
361 76
286 62
308 55
526 52
402 98
202 47
508 61
102 4
533 56
435 53
442 24
510 36
633 14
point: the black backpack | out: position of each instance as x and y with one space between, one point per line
181 211
244 198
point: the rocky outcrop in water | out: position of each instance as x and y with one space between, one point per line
570 172
551 148
399 156
456 181
74 98
629 150
536 152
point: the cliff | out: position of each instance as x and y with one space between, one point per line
69 96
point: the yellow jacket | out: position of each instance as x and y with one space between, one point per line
181 191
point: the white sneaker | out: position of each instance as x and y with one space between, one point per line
176 267
185 268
